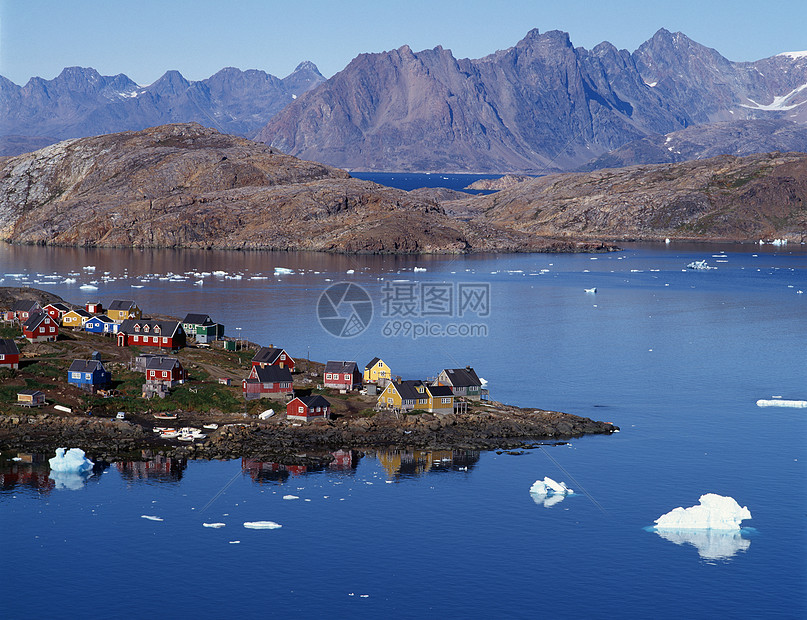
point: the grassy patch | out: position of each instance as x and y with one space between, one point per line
10 332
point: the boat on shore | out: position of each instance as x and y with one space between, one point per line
165 416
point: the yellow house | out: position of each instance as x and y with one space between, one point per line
121 309
377 372
75 318
409 395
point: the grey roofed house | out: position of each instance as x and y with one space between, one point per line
121 304
134 326
197 319
461 377
161 362
272 374
8 347
85 366
60 306
267 355
341 367
83 313
35 319
409 390
372 363
438 391
315 400
24 305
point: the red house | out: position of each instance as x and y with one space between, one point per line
264 382
307 407
23 309
342 375
269 356
151 333
57 310
165 370
40 327
94 307
9 353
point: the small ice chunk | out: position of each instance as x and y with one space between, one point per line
715 512
290 497
417 269
151 517
72 460
547 486
350 271
283 270
214 525
262 525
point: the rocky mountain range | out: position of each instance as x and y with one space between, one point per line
80 102
183 185
542 105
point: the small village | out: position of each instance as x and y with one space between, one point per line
161 367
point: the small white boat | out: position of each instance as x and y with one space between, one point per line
778 402
170 433
165 416
211 427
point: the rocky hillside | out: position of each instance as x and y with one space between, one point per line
732 198
187 186
539 106
80 102
744 137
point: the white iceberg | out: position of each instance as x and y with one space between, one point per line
419 269
711 544
547 486
214 525
151 517
72 460
283 270
291 497
715 512
262 525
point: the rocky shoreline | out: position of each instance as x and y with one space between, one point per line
498 427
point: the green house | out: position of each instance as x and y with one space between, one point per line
202 328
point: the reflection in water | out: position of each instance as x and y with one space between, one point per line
31 472
417 462
272 471
70 480
154 468
547 501
711 544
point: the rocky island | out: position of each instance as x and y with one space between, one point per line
213 395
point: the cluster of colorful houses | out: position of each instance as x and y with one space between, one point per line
271 370
270 376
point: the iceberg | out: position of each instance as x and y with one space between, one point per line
151 517
291 497
214 525
283 270
711 544
547 492
715 512
262 525
547 486
72 460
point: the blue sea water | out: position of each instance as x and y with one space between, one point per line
677 358
415 180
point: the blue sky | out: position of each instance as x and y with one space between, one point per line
145 38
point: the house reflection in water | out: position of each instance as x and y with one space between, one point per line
153 468
272 471
31 472
417 462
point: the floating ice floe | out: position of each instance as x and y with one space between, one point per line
262 525
72 460
214 525
715 512
88 287
778 402
151 517
547 492
89 268
290 497
283 271
591 290
419 269
350 271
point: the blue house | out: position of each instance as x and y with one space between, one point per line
101 324
88 374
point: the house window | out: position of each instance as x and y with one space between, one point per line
41 330
88 376
146 328
283 357
327 375
446 400
137 328
165 340
52 329
75 375
300 409
165 373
